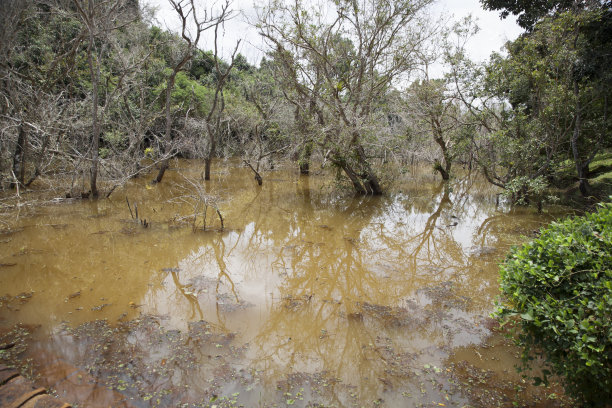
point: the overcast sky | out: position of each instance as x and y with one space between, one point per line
492 36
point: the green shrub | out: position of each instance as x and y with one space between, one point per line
558 291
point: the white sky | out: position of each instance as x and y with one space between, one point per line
492 36
494 32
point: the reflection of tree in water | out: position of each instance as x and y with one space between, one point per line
336 295
206 272
425 248
191 298
324 280
348 270
319 325
426 242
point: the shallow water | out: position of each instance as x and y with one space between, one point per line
306 296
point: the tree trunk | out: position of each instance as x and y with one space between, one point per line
20 154
373 185
580 165
162 170
366 182
212 142
168 135
304 168
39 160
305 159
258 177
207 161
370 180
95 128
357 183
444 171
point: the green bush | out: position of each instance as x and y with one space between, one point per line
558 292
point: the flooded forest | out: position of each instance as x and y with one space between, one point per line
336 224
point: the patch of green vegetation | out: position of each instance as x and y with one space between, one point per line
600 180
601 173
602 164
602 184
558 290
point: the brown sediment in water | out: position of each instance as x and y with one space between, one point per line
306 296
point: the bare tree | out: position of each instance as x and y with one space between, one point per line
196 196
268 121
213 119
32 91
434 108
129 99
100 19
188 15
355 51
307 112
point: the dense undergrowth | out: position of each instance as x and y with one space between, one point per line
558 290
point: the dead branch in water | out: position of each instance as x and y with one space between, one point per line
129 208
200 200
220 217
257 175
143 221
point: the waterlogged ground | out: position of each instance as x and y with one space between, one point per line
308 297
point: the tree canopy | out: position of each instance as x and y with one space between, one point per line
95 87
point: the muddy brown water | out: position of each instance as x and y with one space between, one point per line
307 297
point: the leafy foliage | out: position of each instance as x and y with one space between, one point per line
528 11
543 102
559 288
